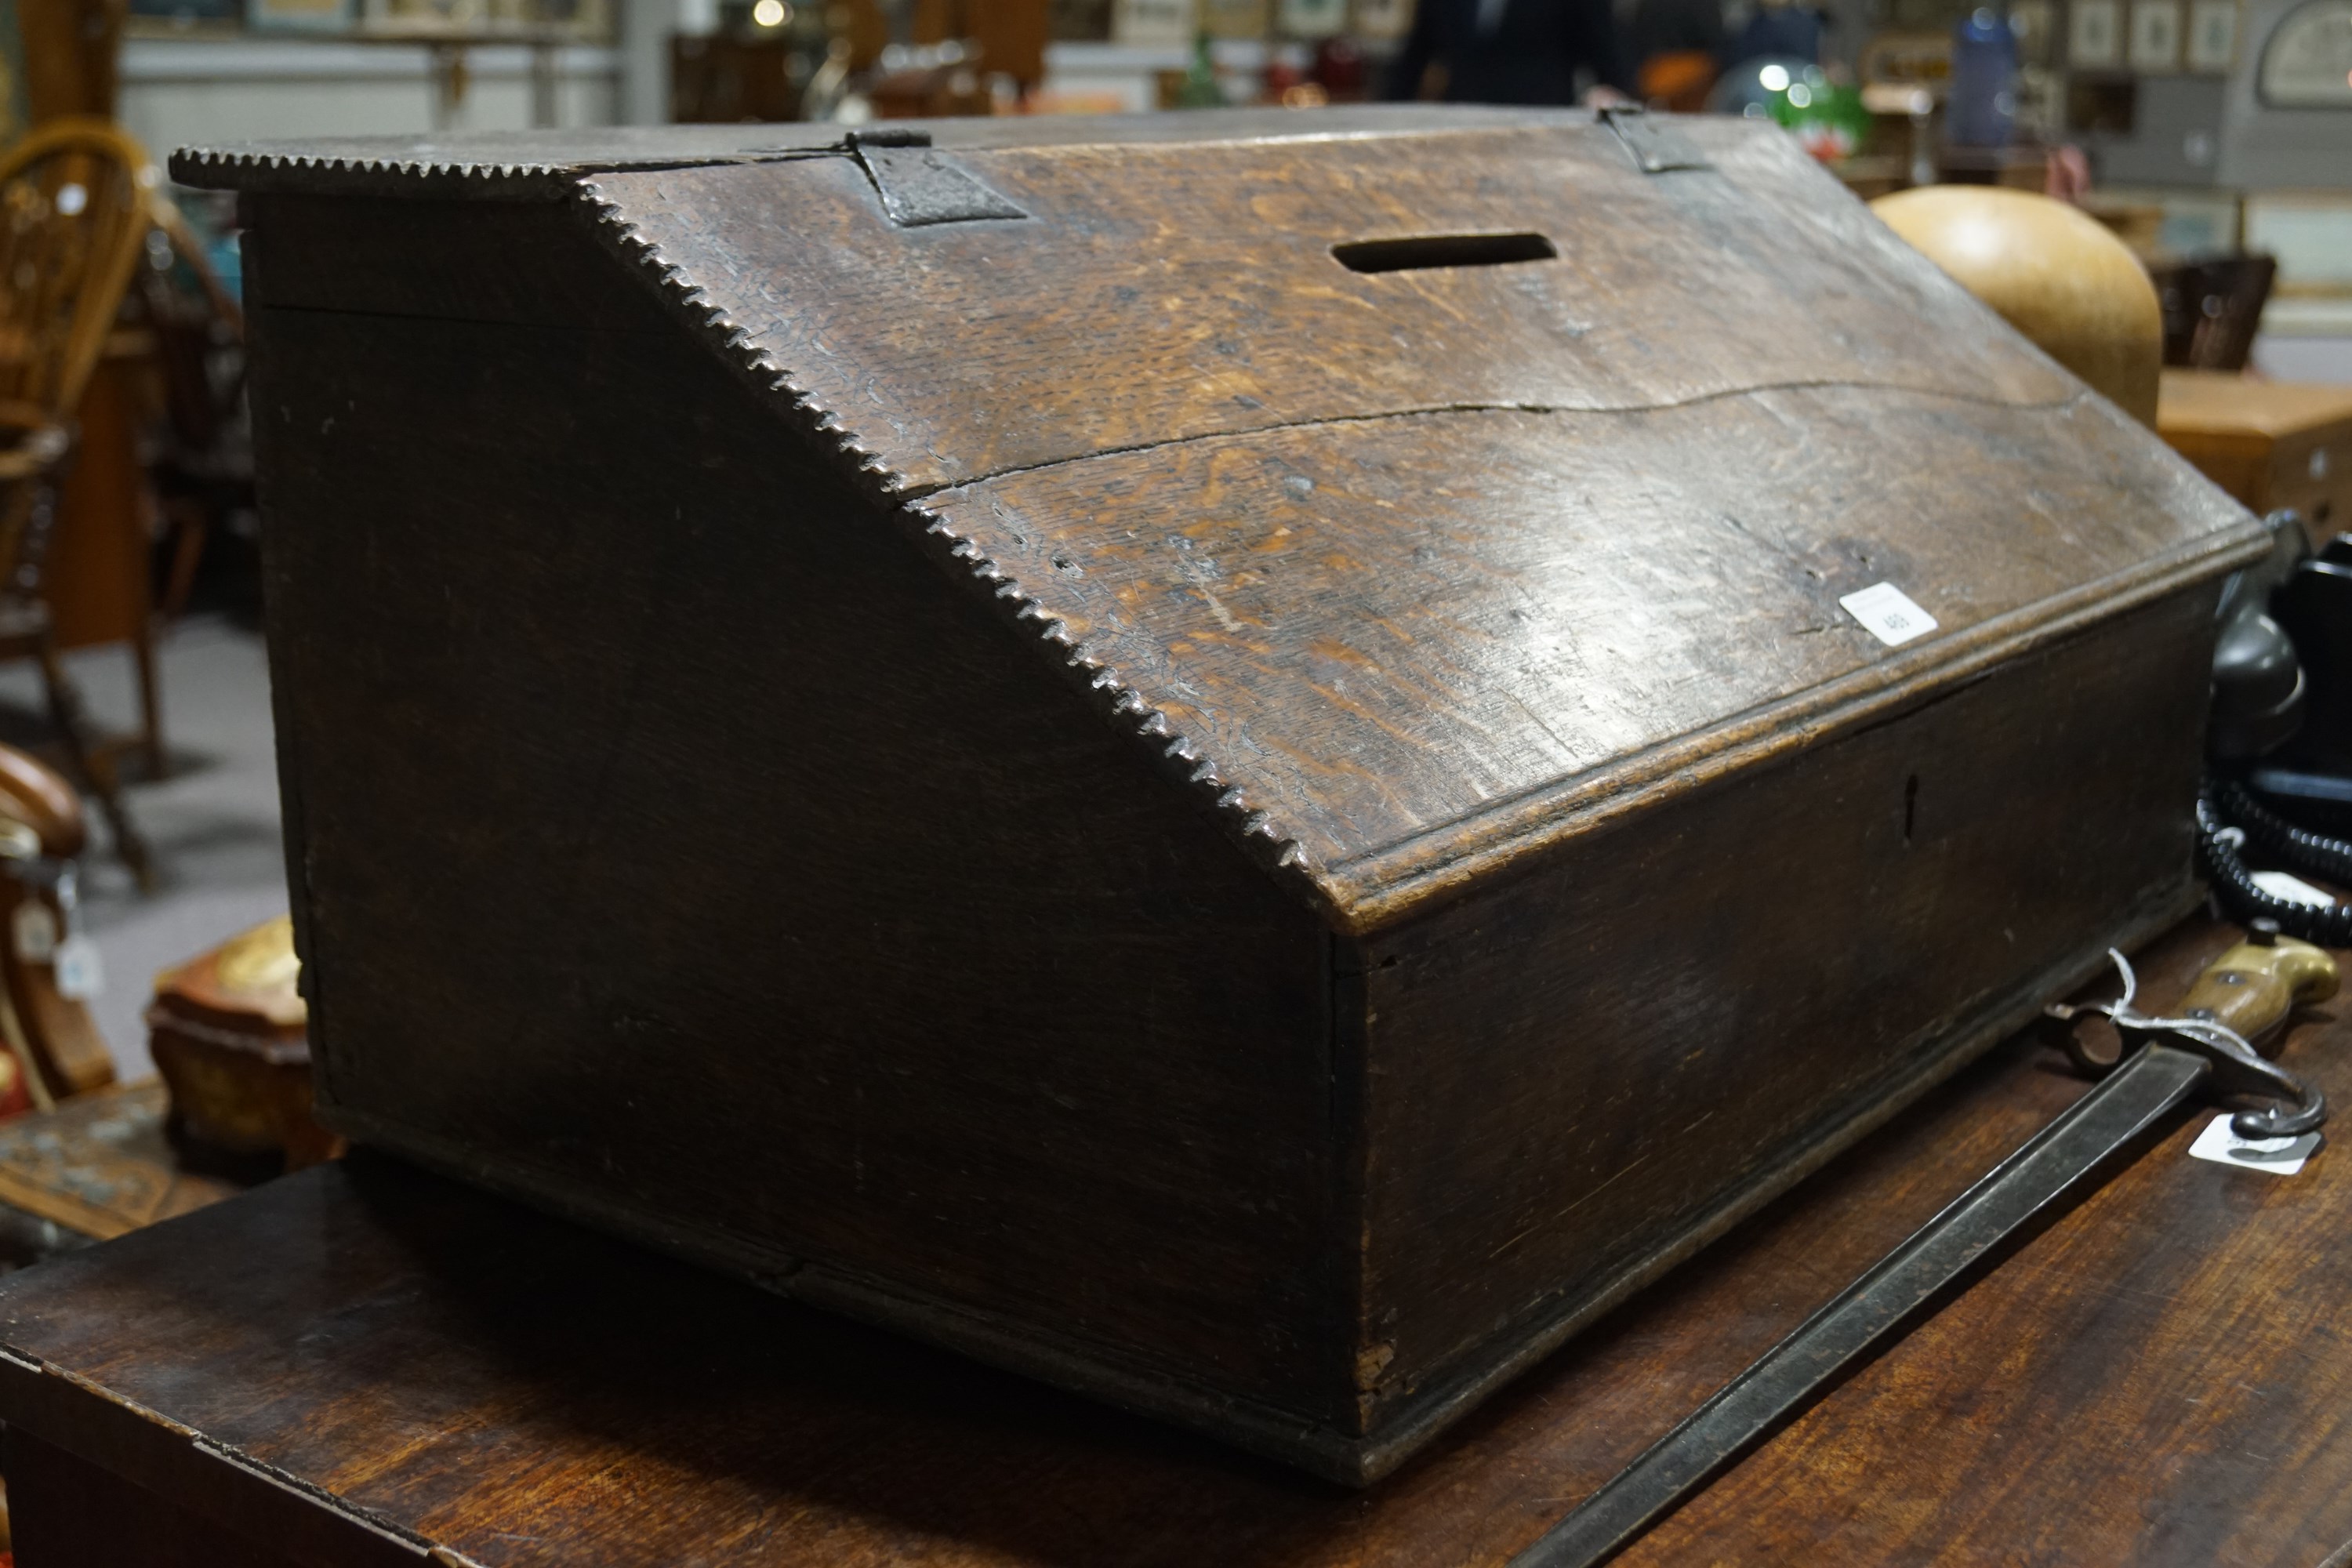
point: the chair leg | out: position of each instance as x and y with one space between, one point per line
190 531
151 700
73 726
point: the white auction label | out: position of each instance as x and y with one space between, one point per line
1889 613
2294 890
37 932
2279 1156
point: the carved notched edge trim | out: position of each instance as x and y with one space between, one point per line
1116 697
227 169
731 341
198 160
1179 754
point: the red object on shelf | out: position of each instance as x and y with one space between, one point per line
1339 67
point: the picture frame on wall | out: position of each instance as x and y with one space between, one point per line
2156 32
2030 21
301 16
2306 60
2213 37
1152 23
1382 20
183 16
2094 35
1310 19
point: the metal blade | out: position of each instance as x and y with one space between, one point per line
2103 1125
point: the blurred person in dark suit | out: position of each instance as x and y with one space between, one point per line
1513 51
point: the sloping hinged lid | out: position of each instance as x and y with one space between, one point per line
1426 493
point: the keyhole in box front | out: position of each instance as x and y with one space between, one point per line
1910 805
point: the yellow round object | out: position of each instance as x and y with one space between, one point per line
2053 272
259 967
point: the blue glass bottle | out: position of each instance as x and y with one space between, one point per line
1982 109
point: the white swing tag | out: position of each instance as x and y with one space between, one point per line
36 931
2279 1156
79 974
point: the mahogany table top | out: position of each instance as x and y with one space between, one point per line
361 1364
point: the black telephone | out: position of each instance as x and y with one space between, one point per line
2280 742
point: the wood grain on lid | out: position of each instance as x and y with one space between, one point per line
1399 483
1161 293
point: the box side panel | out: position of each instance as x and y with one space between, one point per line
1578 1075
466 262
672 843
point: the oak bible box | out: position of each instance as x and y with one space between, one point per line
1253 763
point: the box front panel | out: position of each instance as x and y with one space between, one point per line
1573 1075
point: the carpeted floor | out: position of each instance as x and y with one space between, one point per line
213 822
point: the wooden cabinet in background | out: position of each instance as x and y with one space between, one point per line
722 81
2271 443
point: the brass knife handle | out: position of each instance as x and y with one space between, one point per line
2252 987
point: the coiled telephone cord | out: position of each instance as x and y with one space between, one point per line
2227 815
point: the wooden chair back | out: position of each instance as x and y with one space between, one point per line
76 205
74 211
2212 307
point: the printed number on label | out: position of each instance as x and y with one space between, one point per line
1889 613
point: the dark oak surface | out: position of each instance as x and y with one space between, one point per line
546 166
1351 620
1391 557
2160 1378
1646 1091
1164 293
782 909
1391 553
774 858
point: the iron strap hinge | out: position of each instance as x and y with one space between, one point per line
1656 146
921 185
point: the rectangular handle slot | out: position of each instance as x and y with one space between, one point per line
1428 251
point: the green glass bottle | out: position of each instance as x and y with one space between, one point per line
1200 90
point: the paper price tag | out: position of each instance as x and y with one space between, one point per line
79 974
2279 1156
36 931
2294 890
1889 613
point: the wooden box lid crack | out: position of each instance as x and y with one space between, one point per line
1416 569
